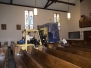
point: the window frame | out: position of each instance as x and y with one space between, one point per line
75 35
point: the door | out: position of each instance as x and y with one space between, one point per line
87 35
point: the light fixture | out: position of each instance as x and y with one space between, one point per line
68 14
35 10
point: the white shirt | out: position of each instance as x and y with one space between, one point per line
64 41
29 37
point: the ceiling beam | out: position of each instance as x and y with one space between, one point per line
49 4
32 7
64 2
11 1
81 0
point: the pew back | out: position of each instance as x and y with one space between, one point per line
77 52
53 61
29 62
75 59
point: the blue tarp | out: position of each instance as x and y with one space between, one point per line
53 32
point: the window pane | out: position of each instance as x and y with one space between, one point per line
31 19
58 21
31 26
55 18
26 20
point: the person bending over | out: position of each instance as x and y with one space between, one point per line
63 41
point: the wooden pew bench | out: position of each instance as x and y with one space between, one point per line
19 62
30 52
33 60
40 62
86 46
25 60
52 61
72 58
3 57
76 52
80 49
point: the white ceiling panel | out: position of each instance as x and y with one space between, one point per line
71 1
25 2
58 6
41 3
6 1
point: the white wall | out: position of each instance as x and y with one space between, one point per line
73 23
64 26
12 15
85 8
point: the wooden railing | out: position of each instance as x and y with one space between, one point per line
84 24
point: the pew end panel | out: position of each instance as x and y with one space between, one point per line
3 57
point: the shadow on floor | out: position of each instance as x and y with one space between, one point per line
11 62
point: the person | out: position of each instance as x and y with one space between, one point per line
63 41
29 37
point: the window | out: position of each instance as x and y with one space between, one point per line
74 35
57 20
28 19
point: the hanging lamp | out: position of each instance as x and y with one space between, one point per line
68 14
35 10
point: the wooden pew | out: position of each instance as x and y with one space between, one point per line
35 64
24 60
75 59
76 52
3 57
0 44
87 47
80 49
19 62
50 60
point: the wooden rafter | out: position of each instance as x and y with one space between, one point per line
11 1
47 3
63 2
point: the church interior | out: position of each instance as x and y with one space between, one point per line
45 33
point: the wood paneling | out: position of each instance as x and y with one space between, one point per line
84 24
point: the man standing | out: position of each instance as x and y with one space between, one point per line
63 41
